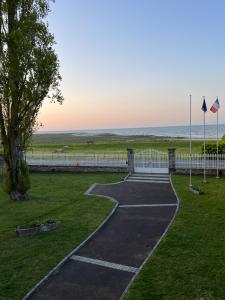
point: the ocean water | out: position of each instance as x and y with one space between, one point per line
169 131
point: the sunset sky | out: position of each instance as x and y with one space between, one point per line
133 63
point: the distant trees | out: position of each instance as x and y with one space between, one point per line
29 72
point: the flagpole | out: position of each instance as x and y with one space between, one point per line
204 148
190 183
217 144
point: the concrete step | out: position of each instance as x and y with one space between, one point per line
148 180
150 175
151 179
149 170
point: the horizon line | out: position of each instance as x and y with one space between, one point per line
119 128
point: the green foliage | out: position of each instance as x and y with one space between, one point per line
23 177
211 148
223 138
29 73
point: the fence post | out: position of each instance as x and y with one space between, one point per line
130 160
172 159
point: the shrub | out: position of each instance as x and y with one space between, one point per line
211 148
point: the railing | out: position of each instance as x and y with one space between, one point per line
79 159
197 161
145 159
159 159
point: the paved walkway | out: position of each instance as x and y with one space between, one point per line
105 265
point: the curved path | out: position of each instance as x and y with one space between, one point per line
104 267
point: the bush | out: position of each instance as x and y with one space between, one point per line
223 138
211 148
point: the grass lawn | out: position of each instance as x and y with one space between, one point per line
190 262
24 261
78 144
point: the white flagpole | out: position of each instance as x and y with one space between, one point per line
204 148
190 183
217 144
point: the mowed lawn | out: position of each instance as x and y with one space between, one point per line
24 261
189 263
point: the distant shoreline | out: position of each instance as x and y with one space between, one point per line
169 132
152 137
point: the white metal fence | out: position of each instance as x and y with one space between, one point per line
79 159
146 159
198 161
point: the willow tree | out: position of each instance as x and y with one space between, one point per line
29 73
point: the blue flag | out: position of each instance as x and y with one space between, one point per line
204 107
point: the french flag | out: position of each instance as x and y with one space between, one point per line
215 106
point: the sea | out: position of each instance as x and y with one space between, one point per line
166 131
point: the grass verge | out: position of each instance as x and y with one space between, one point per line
189 263
24 261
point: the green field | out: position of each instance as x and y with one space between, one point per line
189 263
107 143
24 261
69 144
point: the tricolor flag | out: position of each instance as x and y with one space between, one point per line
204 107
215 106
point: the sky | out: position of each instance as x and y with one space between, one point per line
134 63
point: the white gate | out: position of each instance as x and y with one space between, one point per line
151 161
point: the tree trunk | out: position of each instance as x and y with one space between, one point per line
14 183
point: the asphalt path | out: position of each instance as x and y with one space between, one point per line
104 267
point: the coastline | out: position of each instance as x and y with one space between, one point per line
120 137
169 132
